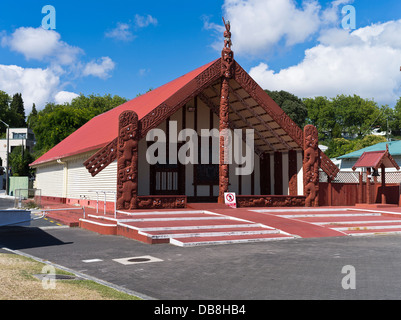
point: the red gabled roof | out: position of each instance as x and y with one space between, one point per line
369 159
103 128
375 159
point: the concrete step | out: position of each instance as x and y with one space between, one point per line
157 217
99 225
369 232
201 241
347 219
185 224
368 226
211 232
330 215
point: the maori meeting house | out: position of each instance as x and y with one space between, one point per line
108 153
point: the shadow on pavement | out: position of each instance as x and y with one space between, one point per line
16 238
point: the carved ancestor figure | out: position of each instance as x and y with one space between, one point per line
311 166
227 55
227 34
127 161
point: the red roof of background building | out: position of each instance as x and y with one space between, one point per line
374 159
103 128
369 159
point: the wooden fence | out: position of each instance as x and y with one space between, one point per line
347 189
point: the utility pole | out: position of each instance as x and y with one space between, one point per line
8 165
387 130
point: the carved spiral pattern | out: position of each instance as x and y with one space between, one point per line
127 161
311 166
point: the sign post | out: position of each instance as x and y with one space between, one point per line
229 199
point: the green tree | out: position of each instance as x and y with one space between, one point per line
291 105
17 112
55 122
19 162
32 117
395 124
349 115
341 146
4 111
357 116
322 114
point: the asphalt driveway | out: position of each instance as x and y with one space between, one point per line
293 269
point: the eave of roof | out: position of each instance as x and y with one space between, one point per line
394 149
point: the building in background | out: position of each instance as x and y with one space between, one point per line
18 137
347 161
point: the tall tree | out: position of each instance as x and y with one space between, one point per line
17 111
32 117
4 110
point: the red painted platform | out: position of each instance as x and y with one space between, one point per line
219 224
291 226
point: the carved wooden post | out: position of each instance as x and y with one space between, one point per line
368 185
360 188
384 200
227 70
223 128
127 161
329 191
292 173
311 166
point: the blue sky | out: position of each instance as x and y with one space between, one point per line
127 47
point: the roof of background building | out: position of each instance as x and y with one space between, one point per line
393 146
375 159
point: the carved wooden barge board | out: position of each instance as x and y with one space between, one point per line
311 166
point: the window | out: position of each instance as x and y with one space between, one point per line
19 135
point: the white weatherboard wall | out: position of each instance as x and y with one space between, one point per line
50 179
81 183
70 179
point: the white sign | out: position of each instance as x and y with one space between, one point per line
229 199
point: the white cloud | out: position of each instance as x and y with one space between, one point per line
143 72
36 85
99 68
258 25
364 62
144 21
121 32
62 97
40 44
330 16
63 62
